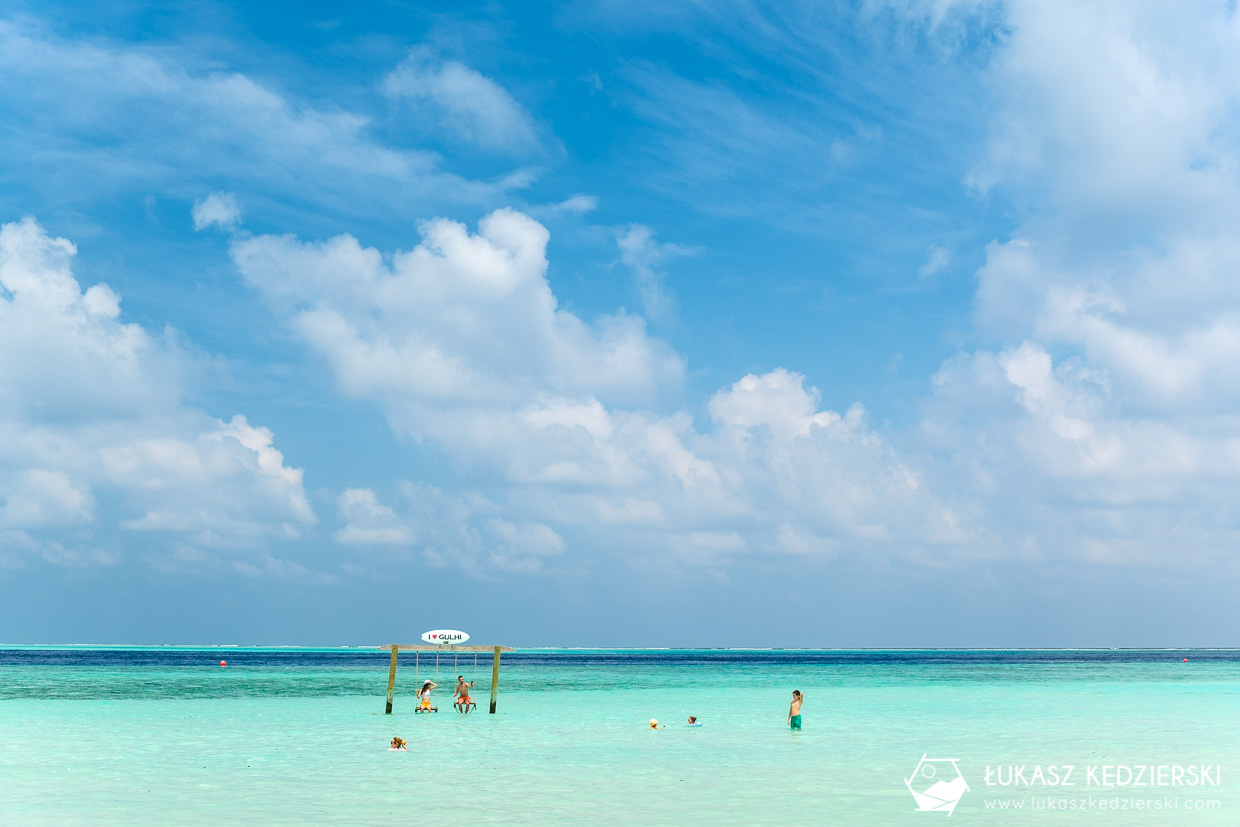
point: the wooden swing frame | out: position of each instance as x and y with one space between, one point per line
397 648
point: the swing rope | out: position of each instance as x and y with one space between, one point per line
475 676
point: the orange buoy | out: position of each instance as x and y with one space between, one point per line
223 663
1186 660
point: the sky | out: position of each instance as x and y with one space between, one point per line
877 324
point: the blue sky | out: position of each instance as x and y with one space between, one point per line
877 324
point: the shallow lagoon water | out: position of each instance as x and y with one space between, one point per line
297 736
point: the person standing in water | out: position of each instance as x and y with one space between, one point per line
794 709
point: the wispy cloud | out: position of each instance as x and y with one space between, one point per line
645 256
939 258
119 116
448 96
578 204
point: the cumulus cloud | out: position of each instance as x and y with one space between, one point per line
1116 112
1096 417
769 473
777 402
463 102
570 425
91 408
219 209
463 323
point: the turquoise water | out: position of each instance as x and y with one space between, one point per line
165 736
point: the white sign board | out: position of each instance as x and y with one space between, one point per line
445 637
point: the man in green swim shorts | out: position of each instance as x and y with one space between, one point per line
794 710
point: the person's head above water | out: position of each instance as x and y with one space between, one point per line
692 719
654 724
398 743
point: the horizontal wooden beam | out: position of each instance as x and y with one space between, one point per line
442 647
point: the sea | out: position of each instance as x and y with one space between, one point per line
166 735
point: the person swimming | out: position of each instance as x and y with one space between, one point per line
424 696
654 723
463 702
398 743
694 721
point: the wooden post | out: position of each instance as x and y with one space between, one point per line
494 679
392 680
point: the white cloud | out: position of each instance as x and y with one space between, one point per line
39 497
1096 418
91 408
775 475
440 529
644 255
939 258
463 323
578 204
64 355
775 152
1127 112
461 341
219 209
368 522
195 482
777 401
268 566
19 548
78 102
463 102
